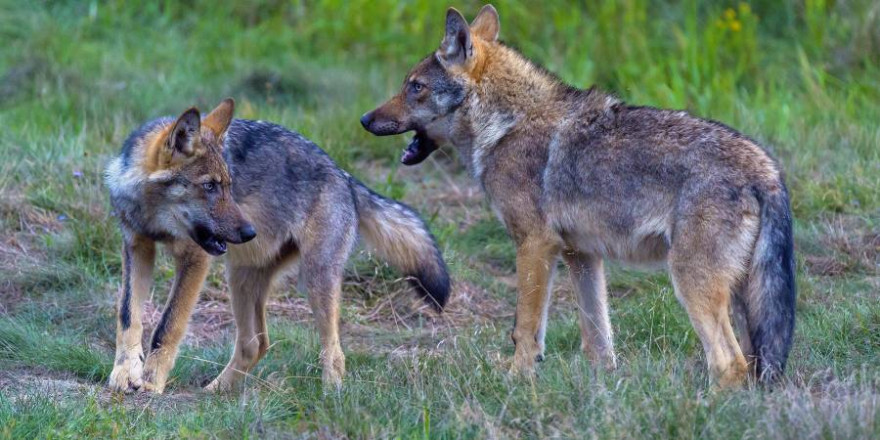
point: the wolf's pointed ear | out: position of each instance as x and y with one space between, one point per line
185 133
457 46
486 25
220 118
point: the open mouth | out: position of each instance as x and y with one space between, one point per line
419 148
211 243
214 246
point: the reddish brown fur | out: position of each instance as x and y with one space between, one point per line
581 173
188 149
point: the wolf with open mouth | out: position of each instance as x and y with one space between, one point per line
266 197
581 175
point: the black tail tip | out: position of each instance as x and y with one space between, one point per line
433 287
769 373
772 353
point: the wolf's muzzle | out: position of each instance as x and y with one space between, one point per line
380 126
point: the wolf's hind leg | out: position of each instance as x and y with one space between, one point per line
138 256
321 271
249 291
739 315
192 266
322 281
707 259
706 298
588 278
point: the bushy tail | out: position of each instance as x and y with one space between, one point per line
771 293
399 236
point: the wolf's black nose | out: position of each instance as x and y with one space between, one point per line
247 233
367 119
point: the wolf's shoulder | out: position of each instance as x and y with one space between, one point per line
254 141
251 135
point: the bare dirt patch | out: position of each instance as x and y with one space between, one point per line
20 384
390 311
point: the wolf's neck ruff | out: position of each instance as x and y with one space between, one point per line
512 93
127 175
489 127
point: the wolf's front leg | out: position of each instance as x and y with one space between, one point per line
535 262
138 255
192 267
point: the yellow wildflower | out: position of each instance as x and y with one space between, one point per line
729 14
735 25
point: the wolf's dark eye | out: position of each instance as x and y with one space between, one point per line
210 186
415 87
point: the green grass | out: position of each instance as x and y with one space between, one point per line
801 77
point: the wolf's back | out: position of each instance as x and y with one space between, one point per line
399 236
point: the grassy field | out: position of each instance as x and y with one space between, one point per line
802 77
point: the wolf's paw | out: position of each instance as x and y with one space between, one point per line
525 358
221 384
127 374
734 376
605 359
523 368
215 387
154 376
334 370
150 387
608 363
332 382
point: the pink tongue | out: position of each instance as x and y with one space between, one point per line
411 152
417 151
408 155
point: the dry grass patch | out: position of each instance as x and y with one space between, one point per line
847 244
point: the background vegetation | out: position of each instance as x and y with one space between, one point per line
802 77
